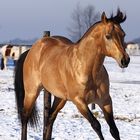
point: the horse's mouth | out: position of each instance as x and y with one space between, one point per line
123 66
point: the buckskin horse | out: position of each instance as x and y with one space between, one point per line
71 72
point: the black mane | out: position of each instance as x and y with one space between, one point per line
119 18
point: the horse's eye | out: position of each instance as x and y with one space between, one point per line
108 36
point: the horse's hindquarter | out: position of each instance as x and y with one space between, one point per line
40 67
31 74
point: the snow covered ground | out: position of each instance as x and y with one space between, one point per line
70 125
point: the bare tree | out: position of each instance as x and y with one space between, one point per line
82 19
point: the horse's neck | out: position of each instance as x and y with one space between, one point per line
91 57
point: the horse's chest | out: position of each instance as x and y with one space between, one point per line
91 92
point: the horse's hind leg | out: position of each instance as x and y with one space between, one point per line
29 102
108 113
84 110
58 104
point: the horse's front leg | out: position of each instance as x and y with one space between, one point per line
58 104
108 113
84 110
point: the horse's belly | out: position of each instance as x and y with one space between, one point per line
56 89
59 93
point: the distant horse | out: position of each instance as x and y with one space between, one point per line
71 72
11 51
132 48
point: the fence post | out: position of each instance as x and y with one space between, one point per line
47 100
46 33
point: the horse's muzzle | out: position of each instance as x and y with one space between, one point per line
125 61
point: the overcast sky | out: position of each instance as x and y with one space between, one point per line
27 19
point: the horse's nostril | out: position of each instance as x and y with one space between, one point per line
125 61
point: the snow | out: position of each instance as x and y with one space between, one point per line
70 125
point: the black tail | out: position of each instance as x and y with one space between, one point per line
19 91
2 63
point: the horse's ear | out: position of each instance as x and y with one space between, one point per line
104 18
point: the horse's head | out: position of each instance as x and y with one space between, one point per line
113 38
